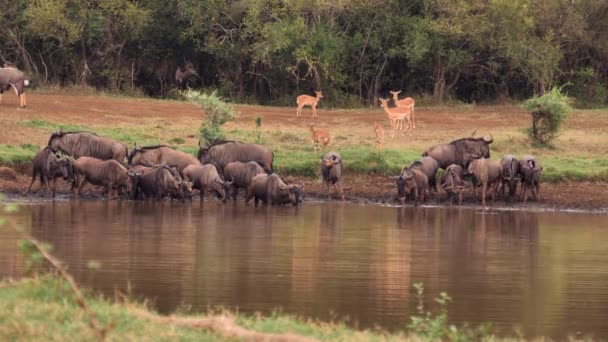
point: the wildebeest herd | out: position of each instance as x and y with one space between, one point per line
157 172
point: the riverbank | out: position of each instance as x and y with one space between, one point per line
575 172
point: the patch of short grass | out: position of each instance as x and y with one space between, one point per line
51 126
557 169
16 154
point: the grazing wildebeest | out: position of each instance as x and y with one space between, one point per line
49 166
510 175
11 77
241 174
87 144
161 155
412 182
487 174
222 154
452 182
429 166
270 189
530 171
107 173
460 151
182 75
331 170
206 178
159 181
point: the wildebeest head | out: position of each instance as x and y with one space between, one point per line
224 188
294 192
134 155
186 188
405 182
59 165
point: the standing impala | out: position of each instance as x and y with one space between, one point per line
407 102
397 115
307 100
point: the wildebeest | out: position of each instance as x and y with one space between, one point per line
331 170
452 182
429 166
530 171
49 166
161 155
206 178
510 175
87 144
182 75
241 174
159 181
412 182
487 174
222 154
460 151
11 77
107 173
270 189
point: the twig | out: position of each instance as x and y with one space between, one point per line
94 323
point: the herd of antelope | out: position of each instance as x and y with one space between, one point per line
401 118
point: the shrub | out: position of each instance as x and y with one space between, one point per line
548 113
217 112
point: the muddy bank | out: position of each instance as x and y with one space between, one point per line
376 189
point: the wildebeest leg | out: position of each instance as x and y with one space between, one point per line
484 189
202 194
328 191
537 194
83 181
338 187
33 178
235 192
460 198
54 186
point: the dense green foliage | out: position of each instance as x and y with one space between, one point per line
217 113
267 51
548 114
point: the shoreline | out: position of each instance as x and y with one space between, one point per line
581 197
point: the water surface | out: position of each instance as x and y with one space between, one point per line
543 273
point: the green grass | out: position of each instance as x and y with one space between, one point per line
44 309
52 127
16 154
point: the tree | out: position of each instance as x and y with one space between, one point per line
548 113
217 113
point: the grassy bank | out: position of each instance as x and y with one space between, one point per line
295 156
43 309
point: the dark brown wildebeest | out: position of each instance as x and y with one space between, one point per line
271 189
11 77
206 178
487 174
87 144
159 181
530 171
107 173
412 182
429 166
331 170
452 182
222 154
460 151
49 166
182 75
510 175
161 155
241 174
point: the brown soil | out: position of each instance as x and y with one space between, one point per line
434 125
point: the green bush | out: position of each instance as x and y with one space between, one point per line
548 113
217 112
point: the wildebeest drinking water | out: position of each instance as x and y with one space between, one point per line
87 144
271 189
110 174
160 181
241 175
161 155
452 182
206 178
460 151
11 77
428 166
412 182
222 154
49 166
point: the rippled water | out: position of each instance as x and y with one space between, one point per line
542 273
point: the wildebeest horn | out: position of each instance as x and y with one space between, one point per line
301 185
283 186
473 134
489 141
229 182
219 180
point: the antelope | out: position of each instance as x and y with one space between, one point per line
397 115
320 137
183 75
379 131
407 102
307 100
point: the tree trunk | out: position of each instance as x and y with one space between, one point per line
439 77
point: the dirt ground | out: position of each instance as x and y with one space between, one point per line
586 134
